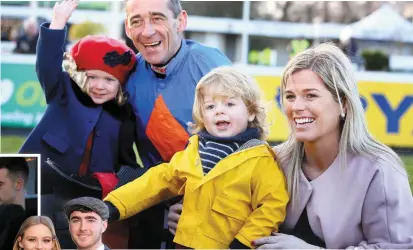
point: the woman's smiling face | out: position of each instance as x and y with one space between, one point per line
37 237
310 107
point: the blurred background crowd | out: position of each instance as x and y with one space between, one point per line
377 35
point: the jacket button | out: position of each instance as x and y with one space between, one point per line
98 133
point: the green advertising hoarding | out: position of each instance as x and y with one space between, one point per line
22 98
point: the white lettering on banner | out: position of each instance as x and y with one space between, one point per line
38 117
17 117
6 90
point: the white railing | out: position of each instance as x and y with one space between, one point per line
255 70
244 27
401 63
375 76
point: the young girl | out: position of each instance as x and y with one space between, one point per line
82 130
234 190
36 232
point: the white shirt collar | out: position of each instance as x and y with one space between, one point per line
102 247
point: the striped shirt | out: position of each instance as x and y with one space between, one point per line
212 149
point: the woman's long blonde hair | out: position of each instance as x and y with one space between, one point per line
336 71
32 221
228 81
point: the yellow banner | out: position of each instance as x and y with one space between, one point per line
388 109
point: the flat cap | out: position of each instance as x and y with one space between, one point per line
96 205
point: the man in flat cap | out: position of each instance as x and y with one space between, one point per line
88 220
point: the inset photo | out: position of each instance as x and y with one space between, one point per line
19 189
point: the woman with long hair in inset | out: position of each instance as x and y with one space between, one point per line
36 232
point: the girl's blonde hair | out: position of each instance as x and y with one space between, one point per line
32 221
336 71
227 81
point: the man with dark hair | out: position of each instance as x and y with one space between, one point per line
14 173
88 220
162 92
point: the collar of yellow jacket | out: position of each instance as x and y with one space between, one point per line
234 160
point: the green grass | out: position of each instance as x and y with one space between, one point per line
408 162
10 144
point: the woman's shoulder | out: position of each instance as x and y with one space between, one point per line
277 148
383 162
383 169
282 161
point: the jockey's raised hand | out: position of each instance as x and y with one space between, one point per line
62 12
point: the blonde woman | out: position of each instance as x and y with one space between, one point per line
36 232
234 190
347 190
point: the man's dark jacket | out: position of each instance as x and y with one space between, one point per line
11 218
